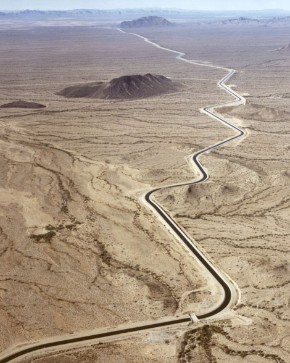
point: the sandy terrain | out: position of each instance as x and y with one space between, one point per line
241 215
77 245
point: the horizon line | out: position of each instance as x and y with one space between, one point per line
148 8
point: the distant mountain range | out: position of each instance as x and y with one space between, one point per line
148 11
150 17
263 21
54 12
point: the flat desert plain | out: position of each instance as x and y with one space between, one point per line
81 251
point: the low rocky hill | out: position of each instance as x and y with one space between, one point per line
22 104
125 87
147 21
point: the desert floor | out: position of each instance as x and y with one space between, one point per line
80 251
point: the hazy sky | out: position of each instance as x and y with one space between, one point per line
109 4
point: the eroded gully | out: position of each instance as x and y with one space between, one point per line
230 289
